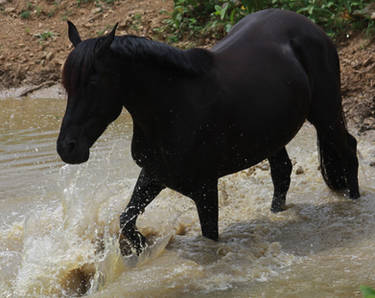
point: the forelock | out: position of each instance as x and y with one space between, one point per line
78 65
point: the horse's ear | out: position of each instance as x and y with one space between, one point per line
73 34
106 42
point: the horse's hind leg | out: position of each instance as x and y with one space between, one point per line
206 201
281 168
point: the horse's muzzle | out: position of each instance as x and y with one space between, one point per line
72 150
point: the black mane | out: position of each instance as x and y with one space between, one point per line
193 61
80 61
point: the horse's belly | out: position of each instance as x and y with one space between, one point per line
245 147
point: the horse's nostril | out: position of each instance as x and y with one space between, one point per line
70 145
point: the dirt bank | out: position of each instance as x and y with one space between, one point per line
357 57
34 45
33 34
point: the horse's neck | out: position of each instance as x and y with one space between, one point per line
150 98
161 76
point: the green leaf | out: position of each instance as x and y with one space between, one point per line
224 11
228 27
367 292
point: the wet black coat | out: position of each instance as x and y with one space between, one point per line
201 114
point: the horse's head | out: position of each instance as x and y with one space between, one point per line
91 82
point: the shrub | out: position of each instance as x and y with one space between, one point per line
216 17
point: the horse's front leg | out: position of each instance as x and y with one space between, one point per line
146 189
206 200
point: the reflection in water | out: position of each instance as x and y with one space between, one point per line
59 223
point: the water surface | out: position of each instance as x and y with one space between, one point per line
59 223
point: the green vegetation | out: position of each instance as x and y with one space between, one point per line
26 13
109 1
102 32
367 292
67 13
214 18
45 35
53 11
97 2
30 9
79 2
136 22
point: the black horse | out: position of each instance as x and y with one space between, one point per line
202 114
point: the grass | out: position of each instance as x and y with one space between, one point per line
45 35
26 13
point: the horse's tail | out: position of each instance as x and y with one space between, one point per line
334 174
331 167
336 147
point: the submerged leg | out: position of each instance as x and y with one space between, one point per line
281 168
206 200
146 189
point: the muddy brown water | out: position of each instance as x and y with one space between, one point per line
58 223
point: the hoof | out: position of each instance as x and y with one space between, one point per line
214 236
132 245
278 204
125 247
276 208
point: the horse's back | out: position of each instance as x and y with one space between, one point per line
278 49
270 25
257 66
